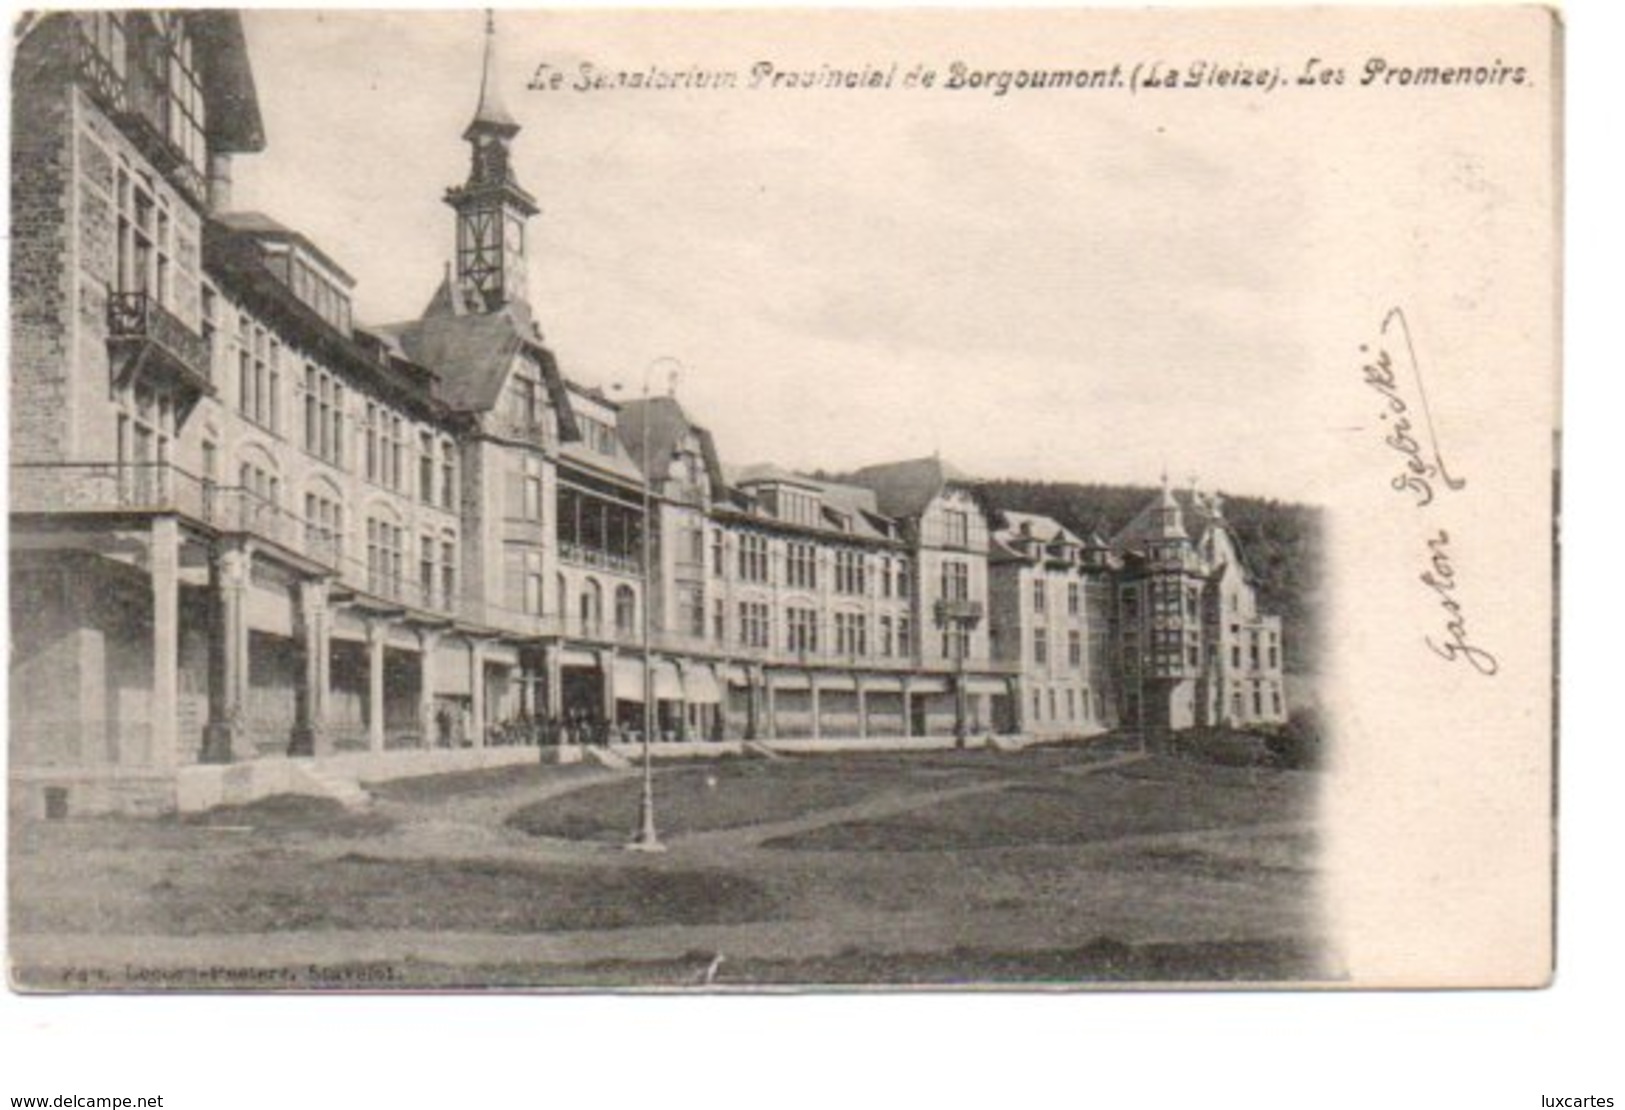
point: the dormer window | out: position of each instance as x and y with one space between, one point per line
596 434
319 289
793 505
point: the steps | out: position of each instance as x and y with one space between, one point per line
606 758
756 747
325 782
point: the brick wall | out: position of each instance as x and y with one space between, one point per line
41 310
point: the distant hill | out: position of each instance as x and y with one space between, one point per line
1282 543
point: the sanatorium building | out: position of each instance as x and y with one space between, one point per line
249 531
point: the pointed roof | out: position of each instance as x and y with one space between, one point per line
472 354
666 424
904 489
492 114
1044 529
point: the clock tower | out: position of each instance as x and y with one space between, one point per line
491 205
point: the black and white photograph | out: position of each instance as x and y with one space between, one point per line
714 502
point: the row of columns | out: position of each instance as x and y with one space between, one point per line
761 712
226 738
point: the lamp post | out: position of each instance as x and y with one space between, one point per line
961 617
647 838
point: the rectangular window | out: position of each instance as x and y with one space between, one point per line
426 467
851 634
885 636
1072 598
273 405
753 558
753 624
448 572
312 415
955 581
1040 646
1038 594
719 620
448 474
719 557
850 572
801 565
531 481
1074 648
905 637
426 567
533 582
955 528
801 628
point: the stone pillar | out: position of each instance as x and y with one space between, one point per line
770 713
813 714
908 707
553 668
428 639
606 668
753 703
377 638
863 710
165 570
226 739
683 731
310 726
476 691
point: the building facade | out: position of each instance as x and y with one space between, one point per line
247 527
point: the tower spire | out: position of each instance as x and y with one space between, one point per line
491 205
492 114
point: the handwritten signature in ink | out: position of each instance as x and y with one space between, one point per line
1391 370
1441 578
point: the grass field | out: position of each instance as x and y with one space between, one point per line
1067 865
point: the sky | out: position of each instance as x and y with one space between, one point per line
1064 285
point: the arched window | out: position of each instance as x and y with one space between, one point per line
626 608
592 605
324 521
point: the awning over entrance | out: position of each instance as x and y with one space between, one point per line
837 682
700 684
882 685
986 686
629 680
572 657
668 687
738 676
788 680
928 686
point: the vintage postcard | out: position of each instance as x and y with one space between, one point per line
787 499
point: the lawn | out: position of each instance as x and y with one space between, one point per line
1044 866
1158 795
735 793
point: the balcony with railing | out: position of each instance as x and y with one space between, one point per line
598 559
154 340
108 487
159 487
